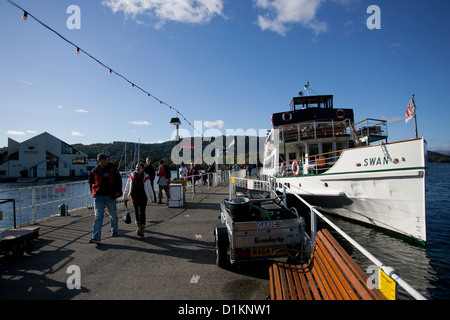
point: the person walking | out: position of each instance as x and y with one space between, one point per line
138 189
183 171
148 169
163 180
106 186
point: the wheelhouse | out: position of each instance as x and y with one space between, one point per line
310 137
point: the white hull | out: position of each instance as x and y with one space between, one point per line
382 185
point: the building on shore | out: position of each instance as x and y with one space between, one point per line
43 156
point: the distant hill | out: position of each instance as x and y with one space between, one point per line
438 157
156 151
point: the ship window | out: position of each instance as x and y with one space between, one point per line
327 147
313 149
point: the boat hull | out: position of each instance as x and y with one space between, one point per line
380 185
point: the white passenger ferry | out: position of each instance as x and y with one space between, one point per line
348 168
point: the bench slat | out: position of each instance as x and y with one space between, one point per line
331 275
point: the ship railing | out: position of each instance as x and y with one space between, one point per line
314 129
315 164
389 271
369 130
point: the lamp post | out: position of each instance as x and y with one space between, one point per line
176 122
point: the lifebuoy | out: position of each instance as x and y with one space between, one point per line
340 113
287 116
296 171
282 169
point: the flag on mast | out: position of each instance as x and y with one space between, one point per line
410 110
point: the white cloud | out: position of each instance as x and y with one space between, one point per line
20 133
212 124
81 111
140 123
25 82
280 14
392 119
15 133
60 107
77 134
184 11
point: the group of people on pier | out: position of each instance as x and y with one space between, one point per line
106 186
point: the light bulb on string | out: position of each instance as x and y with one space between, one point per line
25 15
78 50
110 71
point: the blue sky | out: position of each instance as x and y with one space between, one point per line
224 64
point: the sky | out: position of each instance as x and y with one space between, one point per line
224 65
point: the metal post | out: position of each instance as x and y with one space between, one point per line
313 226
33 205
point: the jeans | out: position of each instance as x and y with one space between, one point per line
99 207
139 210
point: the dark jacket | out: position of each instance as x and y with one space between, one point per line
106 182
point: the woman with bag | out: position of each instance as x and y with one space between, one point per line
139 190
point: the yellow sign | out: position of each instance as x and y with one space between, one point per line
388 287
233 180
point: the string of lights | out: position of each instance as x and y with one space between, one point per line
27 14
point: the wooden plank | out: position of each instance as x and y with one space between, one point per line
298 285
341 279
356 277
272 282
283 281
277 283
333 273
291 284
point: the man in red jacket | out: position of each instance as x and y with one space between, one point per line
106 187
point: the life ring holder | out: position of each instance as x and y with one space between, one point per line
297 170
287 116
340 113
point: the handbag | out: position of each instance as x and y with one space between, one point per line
126 217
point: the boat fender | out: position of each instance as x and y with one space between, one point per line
282 169
295 165
340 113
287 116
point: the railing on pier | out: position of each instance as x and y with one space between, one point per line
269 186
29 204
33 203
198 183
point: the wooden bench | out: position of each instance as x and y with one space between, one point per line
331 275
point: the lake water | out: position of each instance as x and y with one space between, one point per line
427 269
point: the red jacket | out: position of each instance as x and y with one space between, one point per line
114 186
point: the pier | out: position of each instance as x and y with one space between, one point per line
175 260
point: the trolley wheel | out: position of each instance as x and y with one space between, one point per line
221 249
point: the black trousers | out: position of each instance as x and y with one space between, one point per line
139 211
